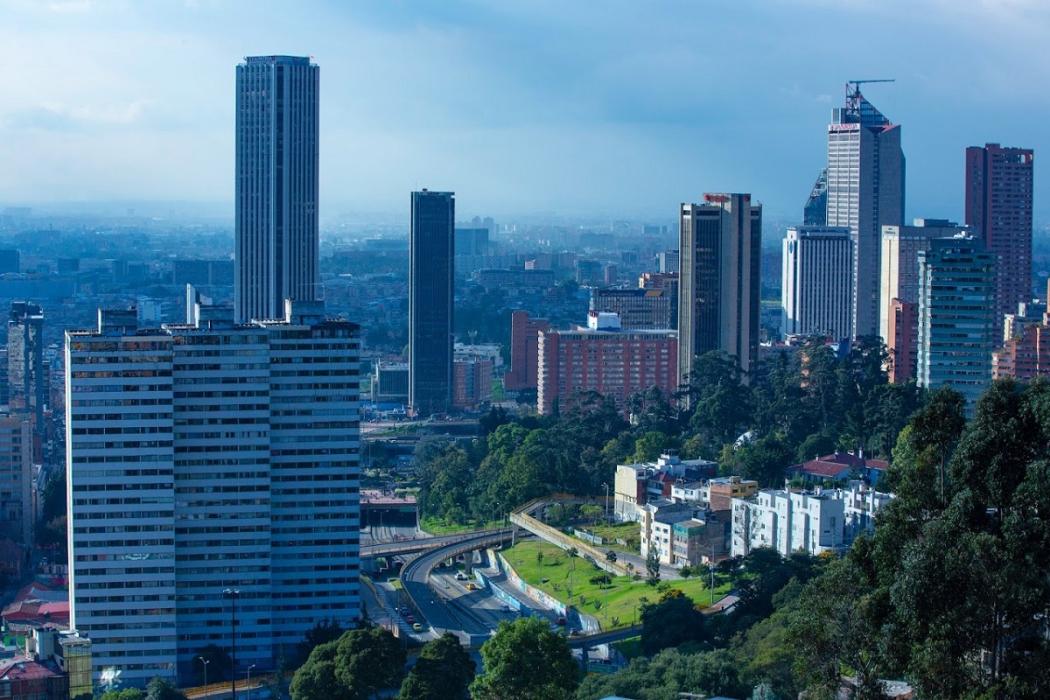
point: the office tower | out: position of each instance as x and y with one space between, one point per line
637 308
430 297
10 261
999 208
817 281
16 480
718 291
667 282
275 190
524 343
901 341
815 212
472 241
667 261
606 359
588 272
27 382
899 289
471 380
224 457
956 324
865 193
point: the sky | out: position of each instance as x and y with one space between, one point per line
618 109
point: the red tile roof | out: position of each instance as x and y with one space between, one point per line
20 668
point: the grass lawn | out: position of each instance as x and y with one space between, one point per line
610 532
437 526
615 605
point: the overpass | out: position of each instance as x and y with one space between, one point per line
432 606
418 544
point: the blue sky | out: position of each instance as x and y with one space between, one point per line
579 108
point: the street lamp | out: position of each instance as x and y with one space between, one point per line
605 512
249 683
205 663
232 594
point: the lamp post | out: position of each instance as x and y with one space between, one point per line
605 512
232 594
204 662
249 683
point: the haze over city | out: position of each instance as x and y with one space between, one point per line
523 108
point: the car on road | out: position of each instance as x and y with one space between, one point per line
472 586
505 607
460 576
416 627
561 621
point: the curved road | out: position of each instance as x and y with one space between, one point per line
433 607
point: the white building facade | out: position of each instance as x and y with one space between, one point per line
813 522
817 281
205 459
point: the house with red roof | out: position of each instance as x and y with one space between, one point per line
839 466
22 678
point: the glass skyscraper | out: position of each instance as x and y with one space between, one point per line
956 316
276 185
431 255
720 243
865 181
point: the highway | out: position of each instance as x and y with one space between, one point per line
439 610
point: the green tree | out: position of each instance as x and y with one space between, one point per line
443 671
652 567
124 694
219 664
650 446
162 689
670 622
525 660
316 679
321 633
358 665
369 660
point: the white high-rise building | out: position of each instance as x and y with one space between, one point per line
817 282
865 192
209 458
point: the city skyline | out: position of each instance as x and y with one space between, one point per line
479 106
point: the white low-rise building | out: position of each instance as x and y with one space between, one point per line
636 484
822 520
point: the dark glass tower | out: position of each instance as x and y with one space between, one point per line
276 185
28 383
431 252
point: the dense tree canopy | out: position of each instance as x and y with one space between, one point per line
357 666
950 592
443 671
787 410
525 660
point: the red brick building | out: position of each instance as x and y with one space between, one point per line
524 338
615 363
471 381
1025 357
902 337
999 188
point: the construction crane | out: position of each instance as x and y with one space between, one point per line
855 92
853 96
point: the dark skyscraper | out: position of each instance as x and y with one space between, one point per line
865 193
431 253
815 213
999 209
719 251
25 361
276 185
